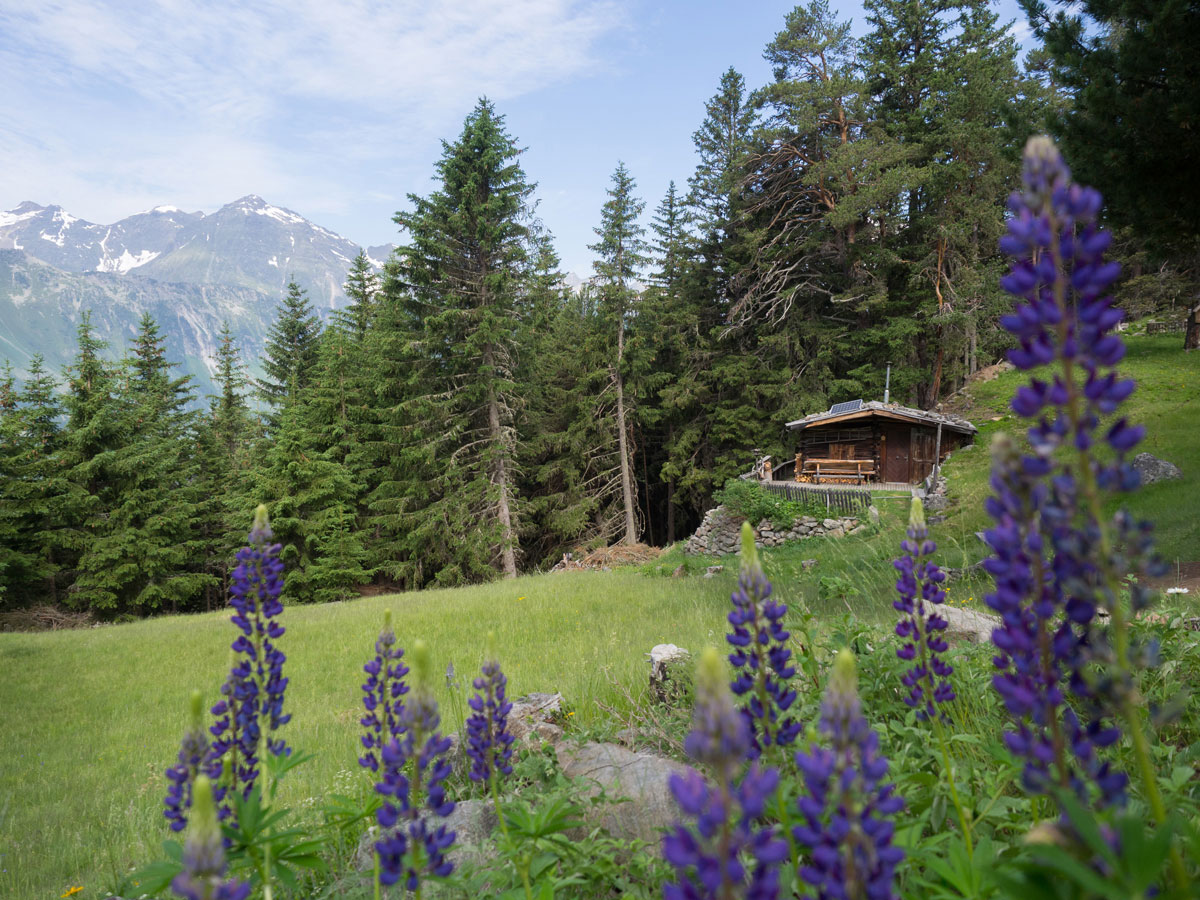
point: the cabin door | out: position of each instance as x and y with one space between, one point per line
922 448
895 454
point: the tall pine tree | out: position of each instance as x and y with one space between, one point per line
449 328
621 256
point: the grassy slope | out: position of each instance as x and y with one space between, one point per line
1167 402
92 718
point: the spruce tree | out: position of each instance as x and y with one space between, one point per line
312 503
225 461
14 563
1130 67
145 550
449 329
362 288
31 497
621 256
290 353
93 437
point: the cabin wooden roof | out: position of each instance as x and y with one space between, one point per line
873 409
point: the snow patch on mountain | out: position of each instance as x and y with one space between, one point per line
126 261
12 217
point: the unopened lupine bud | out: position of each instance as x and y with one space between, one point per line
203 875
193 753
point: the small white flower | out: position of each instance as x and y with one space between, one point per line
1177 590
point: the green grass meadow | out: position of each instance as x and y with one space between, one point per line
91 719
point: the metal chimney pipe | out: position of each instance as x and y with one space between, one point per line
887 384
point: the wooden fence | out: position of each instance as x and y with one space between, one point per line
847 501
1165 327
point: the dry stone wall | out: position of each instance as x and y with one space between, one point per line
720 532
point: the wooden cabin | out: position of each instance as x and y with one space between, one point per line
862 443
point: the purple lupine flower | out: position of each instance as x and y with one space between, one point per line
761 659
251 706
726 853
229 747
847 814
193 755
920 625
489 742
383 695
1038 645
414 769
1055 562
203 875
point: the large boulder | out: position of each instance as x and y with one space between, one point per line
1153 469
668 673
531 712
641 778
473 822
964 624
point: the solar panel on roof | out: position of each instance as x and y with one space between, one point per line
848 406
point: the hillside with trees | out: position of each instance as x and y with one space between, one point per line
468 416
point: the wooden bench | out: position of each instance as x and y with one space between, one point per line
839 470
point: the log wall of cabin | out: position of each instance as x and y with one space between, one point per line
902 452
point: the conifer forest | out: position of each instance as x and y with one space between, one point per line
469 417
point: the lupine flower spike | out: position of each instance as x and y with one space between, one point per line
383 695
1056 559
761 659
489 743
921 627
193 755
414 767
726 853
203 875
848 811
251 709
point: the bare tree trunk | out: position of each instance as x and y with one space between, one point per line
623 442
670 511
508 556
935 386
1191 332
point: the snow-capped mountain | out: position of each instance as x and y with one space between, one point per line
191 270
248 243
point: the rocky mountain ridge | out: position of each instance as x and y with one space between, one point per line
191 270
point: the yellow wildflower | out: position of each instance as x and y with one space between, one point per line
73 890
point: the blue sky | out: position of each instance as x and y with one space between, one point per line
336 109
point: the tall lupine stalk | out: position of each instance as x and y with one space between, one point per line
251 708
383 695
489 742
920 627
726 854
414 768
848 812
193 753
203 875
1057 559
761 658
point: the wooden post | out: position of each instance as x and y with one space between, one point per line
937 457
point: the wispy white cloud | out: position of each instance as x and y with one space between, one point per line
111 106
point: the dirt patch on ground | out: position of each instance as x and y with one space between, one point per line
606 558
1184 575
